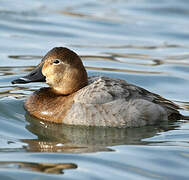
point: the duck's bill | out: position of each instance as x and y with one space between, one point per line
34 76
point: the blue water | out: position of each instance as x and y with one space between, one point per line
145 42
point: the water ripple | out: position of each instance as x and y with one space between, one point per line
143 42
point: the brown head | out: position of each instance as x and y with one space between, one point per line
62 69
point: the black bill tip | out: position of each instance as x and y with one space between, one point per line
20 81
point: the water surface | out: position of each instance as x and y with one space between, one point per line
144 42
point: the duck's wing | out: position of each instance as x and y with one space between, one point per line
102 90
159 99
116 103
169 106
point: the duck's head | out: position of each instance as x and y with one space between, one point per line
62 69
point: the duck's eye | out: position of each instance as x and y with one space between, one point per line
56 61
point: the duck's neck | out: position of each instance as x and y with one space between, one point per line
71 82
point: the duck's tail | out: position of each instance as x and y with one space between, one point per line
185 117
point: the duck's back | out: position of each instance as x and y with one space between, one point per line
116 103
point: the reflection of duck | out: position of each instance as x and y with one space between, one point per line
52 168
53 137
96 101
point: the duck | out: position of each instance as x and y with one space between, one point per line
73 98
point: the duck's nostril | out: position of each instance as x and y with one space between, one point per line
32 73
